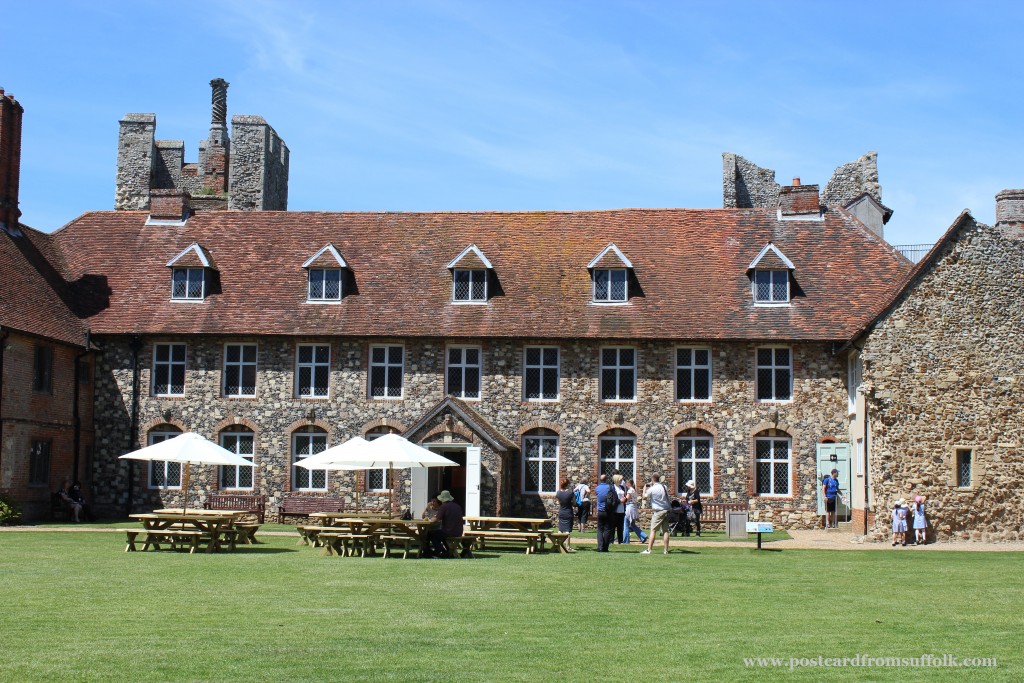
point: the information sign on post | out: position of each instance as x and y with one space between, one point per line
759 528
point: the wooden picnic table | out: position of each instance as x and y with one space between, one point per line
512 523
329 518
534 532
374 529
199 526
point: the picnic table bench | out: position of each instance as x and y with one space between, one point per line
345 543
169 536
304 506
251 504
529 539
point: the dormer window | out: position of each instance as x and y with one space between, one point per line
324 272
609 275
471 271
771 274
190 274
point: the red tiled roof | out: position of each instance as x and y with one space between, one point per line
690 264
33 289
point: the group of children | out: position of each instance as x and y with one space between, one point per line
900 511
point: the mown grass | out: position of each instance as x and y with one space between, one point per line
78 608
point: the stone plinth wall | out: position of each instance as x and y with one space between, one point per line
944 371
733 417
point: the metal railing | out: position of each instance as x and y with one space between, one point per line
914 252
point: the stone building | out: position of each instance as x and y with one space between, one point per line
46 399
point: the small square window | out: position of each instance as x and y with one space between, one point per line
771 286
469 285
188 283
324 284
610 285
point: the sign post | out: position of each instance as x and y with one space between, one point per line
759 528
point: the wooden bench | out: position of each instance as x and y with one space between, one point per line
559 540
345 544
247 533
310 535
132 535
304 506
390 542
713 512
59 508
531 539
460 546
173 538
254 505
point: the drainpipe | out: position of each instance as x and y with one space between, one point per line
76 417
133 437
3 343
866 469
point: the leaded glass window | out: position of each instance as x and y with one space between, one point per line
610 285
540 373
306 442
693 375
163 474
540 463
188 283
239 441
618 453
169 369
324 284
313 370
771 286
964 456
386 368
772 458
464 371
693 456
618 374
469 285
240 370
379 479
774 374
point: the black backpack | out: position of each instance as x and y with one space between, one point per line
611 499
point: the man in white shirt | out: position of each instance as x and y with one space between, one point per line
660 505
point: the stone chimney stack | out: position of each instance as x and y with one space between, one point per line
10 161
1010 207
214 155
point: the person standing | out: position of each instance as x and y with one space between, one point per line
830 489
693 500
620 508
920 521
632 514
566 515
605 516
660 506
582 492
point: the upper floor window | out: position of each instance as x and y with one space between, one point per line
540 461
774 374
163 474
469 285
313 370
964 460
854 378
386 370
188 283
238 440
771 286
464 371
308 441
39 463
693 461
42 369
240 370
618 374
610 285
772 455
693 375
617 453
540 373
168 369
324 284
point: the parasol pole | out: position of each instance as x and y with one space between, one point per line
184 504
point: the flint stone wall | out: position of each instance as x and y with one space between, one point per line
733 417
945 370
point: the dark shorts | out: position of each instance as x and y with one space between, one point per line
830 504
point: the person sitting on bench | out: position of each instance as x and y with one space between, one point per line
452 524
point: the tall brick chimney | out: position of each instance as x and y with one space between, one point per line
10 161
214 154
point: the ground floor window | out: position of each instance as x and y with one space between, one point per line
163 474
379 479
693 461
39 463
239 441
773 458
618 453
540 462
964 456
306 442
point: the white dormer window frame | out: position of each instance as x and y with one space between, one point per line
188 283
771 286
470 284
324 282
609 285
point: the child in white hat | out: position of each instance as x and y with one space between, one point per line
899 523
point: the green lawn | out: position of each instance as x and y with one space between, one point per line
77 608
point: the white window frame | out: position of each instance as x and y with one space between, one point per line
473 275
542 457
322 274
240 366
611 272
461 367
693 369
773 274
617 460
154 437
309 449
388 365
311 367
169 366
540 367
190 275
772 460
854 378
774 367
618 367
236 470
692 440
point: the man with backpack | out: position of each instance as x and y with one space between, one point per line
582 493
660 506
606 501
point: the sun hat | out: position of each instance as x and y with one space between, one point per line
918 499
690 484
899 502
444 497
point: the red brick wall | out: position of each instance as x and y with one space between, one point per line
10 158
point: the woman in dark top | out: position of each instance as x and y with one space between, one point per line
566 516
693 499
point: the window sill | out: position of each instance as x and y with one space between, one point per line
772 304
313 398
469 303
249 397
169 396
609 303
187 301
777 401
541 400
164 488
694 400
386 398
329 302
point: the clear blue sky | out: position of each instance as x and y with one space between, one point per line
530 105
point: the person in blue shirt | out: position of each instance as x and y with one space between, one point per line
605 517
830 489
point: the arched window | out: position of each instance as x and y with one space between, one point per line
773 460
694 456
307 441
239 440
540 461
379 479
163 474
617 449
